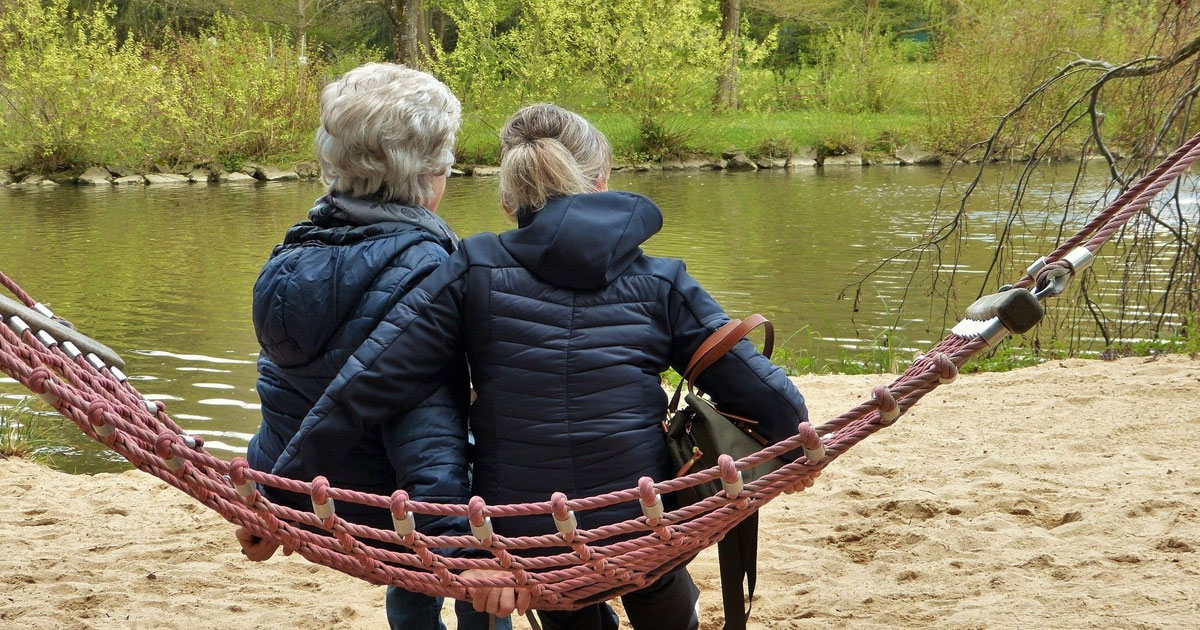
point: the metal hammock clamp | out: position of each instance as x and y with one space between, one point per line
1017 310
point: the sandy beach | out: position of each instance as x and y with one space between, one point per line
1061 496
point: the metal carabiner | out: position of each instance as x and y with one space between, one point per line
1055 281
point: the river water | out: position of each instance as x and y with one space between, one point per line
164 274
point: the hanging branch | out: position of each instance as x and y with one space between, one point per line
944 237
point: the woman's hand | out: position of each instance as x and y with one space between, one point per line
499 601
254 547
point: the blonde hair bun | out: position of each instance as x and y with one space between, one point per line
547 151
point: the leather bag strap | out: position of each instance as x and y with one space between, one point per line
737 556
726 342
719 344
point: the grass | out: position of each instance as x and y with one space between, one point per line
711 133
21 434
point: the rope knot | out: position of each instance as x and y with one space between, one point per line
652 505
237 474
564 519
646 492
38 378
475 510
399 504
814 447
947 371
163 445
481 525
889 409
731 477
320 490
558 506
403 521
809 438
96 411
729 471
323 505
237 470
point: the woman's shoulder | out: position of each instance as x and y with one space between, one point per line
663 267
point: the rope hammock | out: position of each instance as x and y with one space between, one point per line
84 381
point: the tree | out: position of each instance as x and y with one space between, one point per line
731 22
410 31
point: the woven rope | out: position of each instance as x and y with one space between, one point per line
580 566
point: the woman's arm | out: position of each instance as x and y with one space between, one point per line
397 367
743 382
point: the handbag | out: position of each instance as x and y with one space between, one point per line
696 435
698 432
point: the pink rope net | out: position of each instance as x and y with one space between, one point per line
575 567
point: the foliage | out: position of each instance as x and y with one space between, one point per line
244 92
20 433
775 146
855 66
998 53
646 55
71 94
1007 356
658 139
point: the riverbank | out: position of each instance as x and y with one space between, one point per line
1050 497
910 154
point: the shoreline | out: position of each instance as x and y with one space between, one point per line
1050 497
101 176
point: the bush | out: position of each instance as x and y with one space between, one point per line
658 140
857 69
72 95
992 58
20 434
643 56
245 93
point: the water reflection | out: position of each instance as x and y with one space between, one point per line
164 275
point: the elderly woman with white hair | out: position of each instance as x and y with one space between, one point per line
385 145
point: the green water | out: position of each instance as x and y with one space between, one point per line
164 275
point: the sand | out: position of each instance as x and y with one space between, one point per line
1061 496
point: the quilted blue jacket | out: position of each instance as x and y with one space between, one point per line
316 300
567 326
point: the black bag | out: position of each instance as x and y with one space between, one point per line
696 435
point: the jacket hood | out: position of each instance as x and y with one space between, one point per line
316 279
340 220
584 241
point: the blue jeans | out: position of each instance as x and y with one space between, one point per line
414 611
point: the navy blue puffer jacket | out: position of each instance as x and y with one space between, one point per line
316 300
567 326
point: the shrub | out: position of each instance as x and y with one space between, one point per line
20 435
992 58
645 56
658 139
776 146
857 69
246 93
73 96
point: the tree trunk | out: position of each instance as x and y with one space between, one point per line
424 30
731 23
406 33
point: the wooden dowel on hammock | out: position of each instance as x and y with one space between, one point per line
39 322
